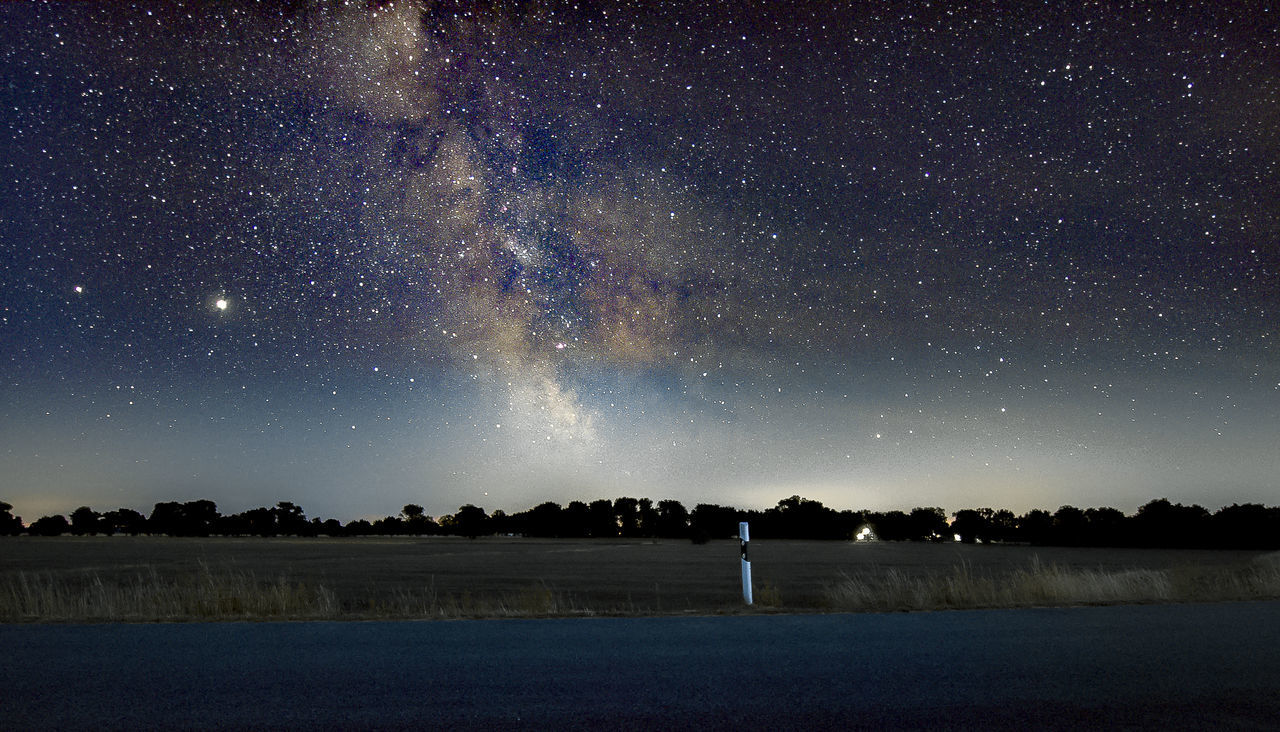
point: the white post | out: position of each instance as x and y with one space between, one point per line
744 534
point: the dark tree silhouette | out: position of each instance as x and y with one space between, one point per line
972 525
602 521
193 518
389 526
892 525
1105 527
577 519
627 512
10 525
714 521
501 523
802 518
84 521
646 518
1158 523
543 519
1036 526
330 527
200 517
124 521
56 525
1069 526
470 521
1165 524
166 518
1247 526
290 520
416 522
1002 525
672 520
261 521
928 523
359 527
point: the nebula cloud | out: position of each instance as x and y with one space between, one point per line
536 257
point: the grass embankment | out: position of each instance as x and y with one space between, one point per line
211 594
1051 585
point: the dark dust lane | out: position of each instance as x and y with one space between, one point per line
1174 666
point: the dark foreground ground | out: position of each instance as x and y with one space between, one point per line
602 576
1210 666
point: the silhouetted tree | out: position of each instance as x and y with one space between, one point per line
358 527
84 520
236 524
200 517
543 520
1105 527
928 523
124 521
389 526
503 524
1002 526
672 520
1164 524
603 521
1069 526
416 522
577 519
973 524
1246 526
892 526
646 518
193 518
801 518
715 521
470 521
166 518
331 527
1157 523
1036 526
290 519
261 521
627 511
10 525
56 525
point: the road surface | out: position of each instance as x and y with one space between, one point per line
1159 667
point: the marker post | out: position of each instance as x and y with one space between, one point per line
744 534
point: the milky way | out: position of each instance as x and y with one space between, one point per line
358 256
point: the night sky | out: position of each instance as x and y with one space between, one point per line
885 255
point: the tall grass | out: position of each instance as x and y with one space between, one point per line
1050 585
147 596
206 593
209 594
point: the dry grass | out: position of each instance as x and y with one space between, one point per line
535 601
1051 585
156 579
149 596
210 594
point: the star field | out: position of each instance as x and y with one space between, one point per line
356 256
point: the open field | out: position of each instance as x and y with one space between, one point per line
160 578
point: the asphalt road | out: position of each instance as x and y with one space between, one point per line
1172 666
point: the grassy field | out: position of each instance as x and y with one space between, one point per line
160 578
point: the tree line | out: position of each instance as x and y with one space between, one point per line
1158 523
